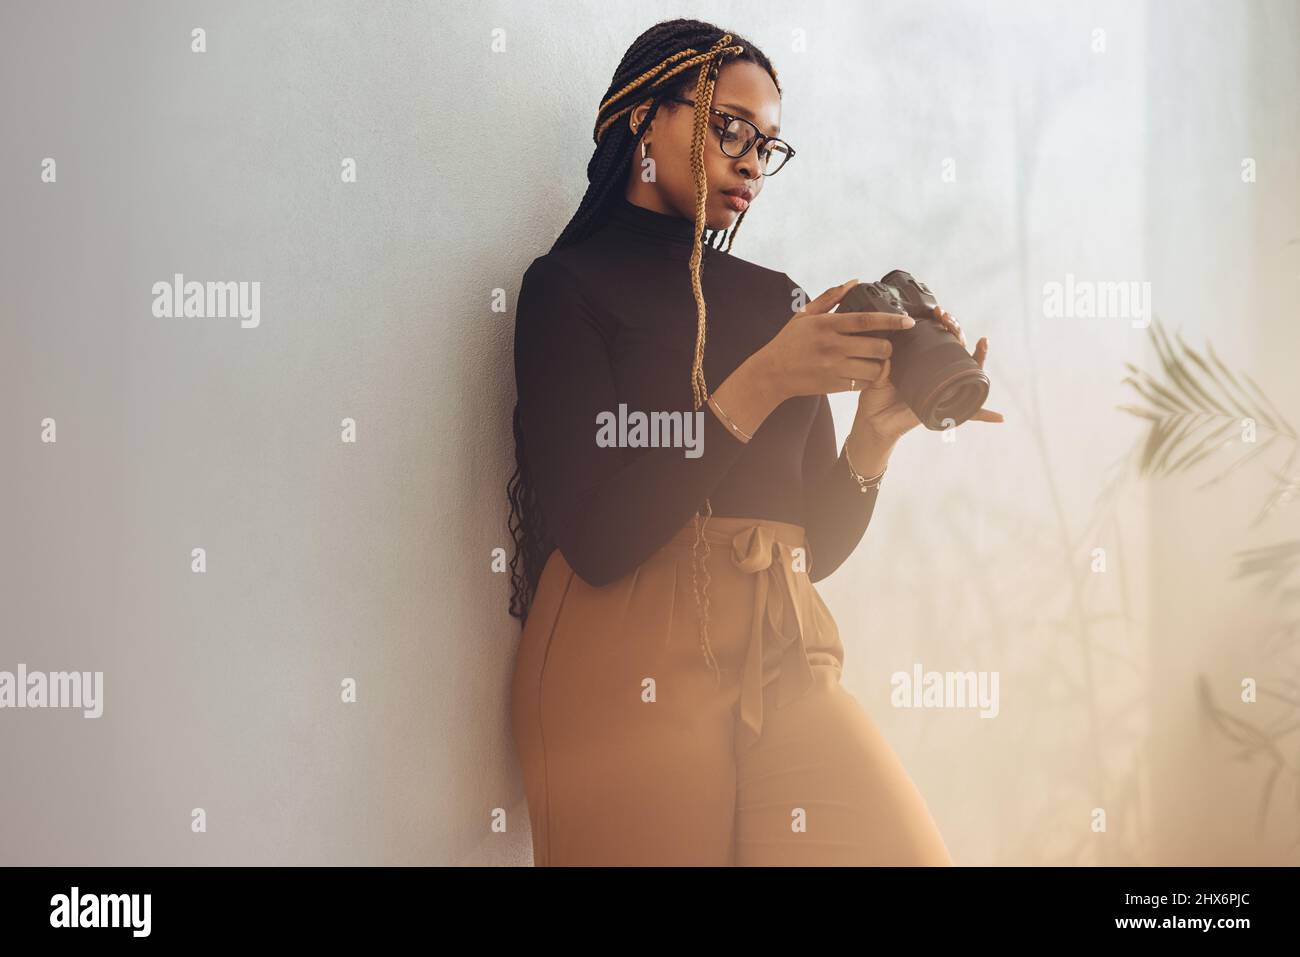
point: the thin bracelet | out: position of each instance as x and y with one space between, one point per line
863 483
727 419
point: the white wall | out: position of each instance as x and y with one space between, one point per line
328 560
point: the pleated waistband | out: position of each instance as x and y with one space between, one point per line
722 530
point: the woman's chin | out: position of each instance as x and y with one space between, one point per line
722 220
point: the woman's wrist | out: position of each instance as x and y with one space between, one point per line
868 452
747 396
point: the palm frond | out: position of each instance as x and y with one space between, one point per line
1193 408
1254 742
1271 565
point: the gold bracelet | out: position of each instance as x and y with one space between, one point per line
745 436
864 484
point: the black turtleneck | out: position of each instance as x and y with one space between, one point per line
611 319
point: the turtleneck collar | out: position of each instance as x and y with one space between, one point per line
663 228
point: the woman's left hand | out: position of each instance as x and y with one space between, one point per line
882 413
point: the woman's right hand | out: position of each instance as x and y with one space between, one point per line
816 353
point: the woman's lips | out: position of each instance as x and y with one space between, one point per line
737 203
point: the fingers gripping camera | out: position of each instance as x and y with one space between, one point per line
941 383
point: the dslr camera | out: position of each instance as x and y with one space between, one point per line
933 374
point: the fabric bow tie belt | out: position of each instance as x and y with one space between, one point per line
787 615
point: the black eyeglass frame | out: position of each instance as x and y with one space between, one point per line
759 139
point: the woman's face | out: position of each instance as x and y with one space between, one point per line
742 89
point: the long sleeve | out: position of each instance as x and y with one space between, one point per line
608 509
836 510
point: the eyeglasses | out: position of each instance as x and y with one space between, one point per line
739 136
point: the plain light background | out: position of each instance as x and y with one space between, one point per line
372 561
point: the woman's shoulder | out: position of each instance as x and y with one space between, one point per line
553 273
550 263
555 283
578 266
774 281
757 270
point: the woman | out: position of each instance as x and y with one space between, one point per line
668 708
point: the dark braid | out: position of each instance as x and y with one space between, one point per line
665 61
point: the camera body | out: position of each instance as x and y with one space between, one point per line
938 379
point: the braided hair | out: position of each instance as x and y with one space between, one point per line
661 63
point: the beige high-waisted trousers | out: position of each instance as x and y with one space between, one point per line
633 754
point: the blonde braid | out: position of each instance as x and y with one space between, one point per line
708 74
699 58
703 102
635 84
